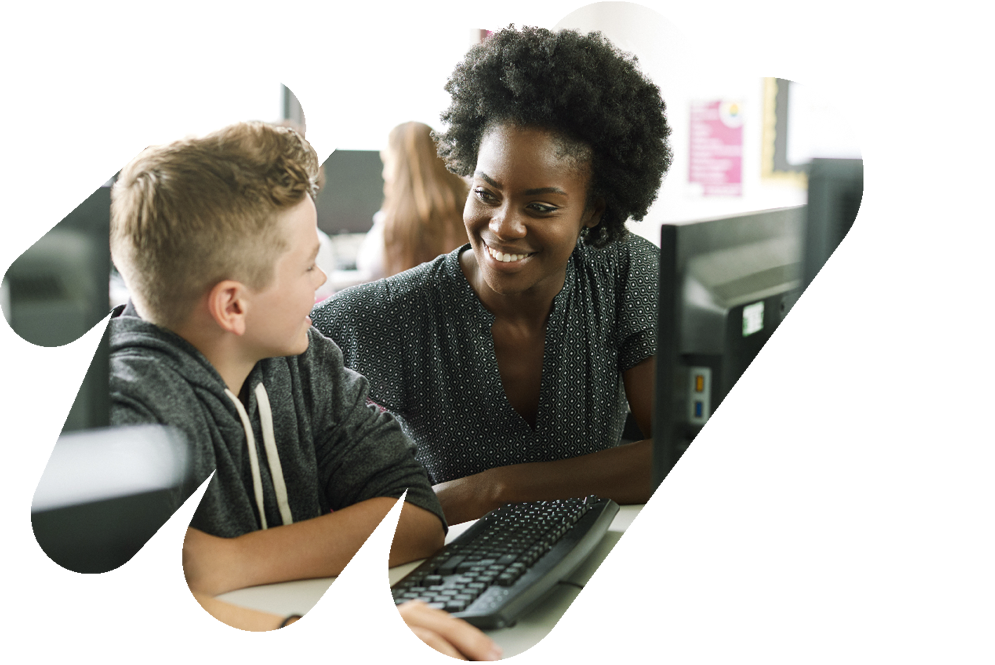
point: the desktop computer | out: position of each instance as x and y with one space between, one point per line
725 286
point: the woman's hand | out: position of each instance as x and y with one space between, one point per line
447 634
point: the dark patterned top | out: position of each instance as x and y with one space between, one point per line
423 339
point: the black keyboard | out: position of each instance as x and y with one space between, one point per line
509 559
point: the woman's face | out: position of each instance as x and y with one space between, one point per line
526 209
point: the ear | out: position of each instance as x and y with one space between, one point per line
227 304
593 213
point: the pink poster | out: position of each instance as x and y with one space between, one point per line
716 149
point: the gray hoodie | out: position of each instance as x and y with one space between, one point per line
334 449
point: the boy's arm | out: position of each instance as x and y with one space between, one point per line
319 547
239 617
439 630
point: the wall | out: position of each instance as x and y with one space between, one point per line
664 54
684 71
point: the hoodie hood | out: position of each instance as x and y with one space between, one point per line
137 344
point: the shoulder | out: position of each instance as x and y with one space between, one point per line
311 378
404 294
632 247
638 246
322 353
622 257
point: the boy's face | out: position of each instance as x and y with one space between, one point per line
277 319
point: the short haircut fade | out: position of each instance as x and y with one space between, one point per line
189 214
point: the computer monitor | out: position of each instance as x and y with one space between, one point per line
352 193
835 189
58 289
725 286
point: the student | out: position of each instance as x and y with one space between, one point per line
216 239
510 360
422 212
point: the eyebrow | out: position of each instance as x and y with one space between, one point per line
528 192
314 252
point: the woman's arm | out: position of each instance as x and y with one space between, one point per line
623 473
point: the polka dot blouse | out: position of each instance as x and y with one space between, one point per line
423 339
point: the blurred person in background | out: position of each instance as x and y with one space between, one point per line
422 212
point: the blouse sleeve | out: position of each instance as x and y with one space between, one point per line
363 322
638 284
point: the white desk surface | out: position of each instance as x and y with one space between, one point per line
300 596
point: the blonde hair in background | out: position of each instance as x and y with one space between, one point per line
189 214
423 201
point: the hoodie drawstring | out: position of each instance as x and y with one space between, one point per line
269 443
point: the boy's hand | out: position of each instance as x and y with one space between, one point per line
447 634
206 559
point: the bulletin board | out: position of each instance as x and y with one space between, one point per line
774 151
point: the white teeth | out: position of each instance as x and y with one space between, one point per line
505 258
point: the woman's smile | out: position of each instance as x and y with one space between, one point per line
528 204
507 256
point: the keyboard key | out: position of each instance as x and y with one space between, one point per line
449 567
477 575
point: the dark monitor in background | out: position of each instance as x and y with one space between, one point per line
58 289
725 286
835 189
352 193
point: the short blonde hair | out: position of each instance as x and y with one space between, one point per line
187 215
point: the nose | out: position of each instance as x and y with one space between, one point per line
507 224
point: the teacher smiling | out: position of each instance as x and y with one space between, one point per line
512 361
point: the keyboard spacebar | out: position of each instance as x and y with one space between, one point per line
498 607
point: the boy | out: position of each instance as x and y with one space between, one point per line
216 239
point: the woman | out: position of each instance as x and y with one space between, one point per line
510 360
421 216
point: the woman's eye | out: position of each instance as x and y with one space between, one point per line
484 195
542 208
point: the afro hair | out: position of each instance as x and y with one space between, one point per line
578 86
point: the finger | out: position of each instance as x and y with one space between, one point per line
469 640
436 641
